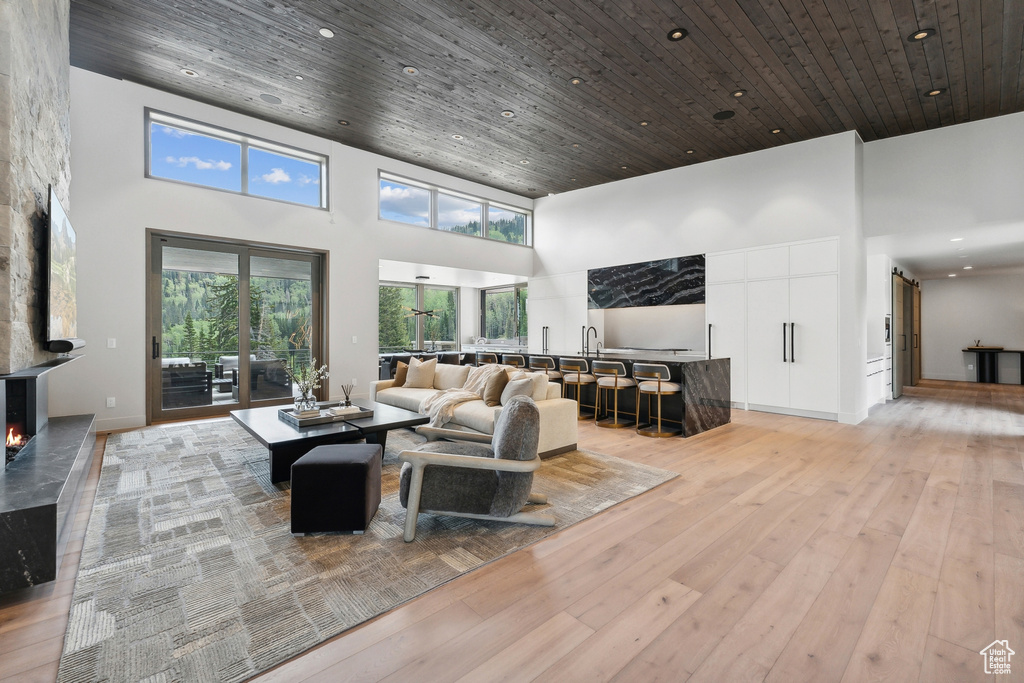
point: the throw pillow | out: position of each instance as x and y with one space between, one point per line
401 370
494 388
517 387
421 374
540 383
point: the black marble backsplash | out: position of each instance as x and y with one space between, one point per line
666 282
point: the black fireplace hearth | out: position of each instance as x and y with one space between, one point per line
39 489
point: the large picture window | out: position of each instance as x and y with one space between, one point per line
416 203
417 317
190 152
503 313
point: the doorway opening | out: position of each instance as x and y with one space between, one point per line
208 354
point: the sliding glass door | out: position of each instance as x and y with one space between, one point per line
209 354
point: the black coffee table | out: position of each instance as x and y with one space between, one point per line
287 444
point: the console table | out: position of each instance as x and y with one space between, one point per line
988 363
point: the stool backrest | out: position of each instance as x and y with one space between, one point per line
485 358
513 360
611 368
573 365
542 363
651 372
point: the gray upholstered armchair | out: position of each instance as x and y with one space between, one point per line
490 479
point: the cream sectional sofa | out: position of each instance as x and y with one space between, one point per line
558 425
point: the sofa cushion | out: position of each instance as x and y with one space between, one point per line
517 387
477 416
540 383
492 390
450 376
409 398
401 372
421 373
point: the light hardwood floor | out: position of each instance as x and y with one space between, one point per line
787 550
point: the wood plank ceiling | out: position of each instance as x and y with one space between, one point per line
645 103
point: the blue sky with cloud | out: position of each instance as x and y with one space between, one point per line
194 158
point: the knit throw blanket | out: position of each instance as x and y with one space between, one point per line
441 406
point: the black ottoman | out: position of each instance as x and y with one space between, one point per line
336 488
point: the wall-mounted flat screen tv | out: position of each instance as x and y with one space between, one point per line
62 309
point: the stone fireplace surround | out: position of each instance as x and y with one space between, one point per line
40 489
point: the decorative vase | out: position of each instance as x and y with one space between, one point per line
305 403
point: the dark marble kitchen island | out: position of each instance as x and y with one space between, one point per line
706 400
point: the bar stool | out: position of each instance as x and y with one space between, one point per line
486 358
653 380
575 372
514 360
545 364
611 376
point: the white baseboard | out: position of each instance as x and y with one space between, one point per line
794 412
111 424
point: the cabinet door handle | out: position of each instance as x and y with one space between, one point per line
784 359
792 346
915 341
156 349
709 340
904 342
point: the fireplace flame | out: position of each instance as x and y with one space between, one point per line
13 440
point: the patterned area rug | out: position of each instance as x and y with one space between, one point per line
190 573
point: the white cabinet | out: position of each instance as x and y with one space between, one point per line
814 343
558 303
793 343
726 315
774 311
767 342
730 267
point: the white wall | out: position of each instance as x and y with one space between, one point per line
794 192
956 312
963 176
113 205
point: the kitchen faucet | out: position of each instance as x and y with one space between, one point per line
587 345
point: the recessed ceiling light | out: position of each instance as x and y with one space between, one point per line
575 145
723 115
456 136
551 194
952 274
342 122
624 168
410 70
957 239
572 180
968 267
677 34
645 123
935 92
190 73
419 154
738 93
298 78
576 80
272 99
524 161
921 34
327 33
689 151
776 131
508 113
